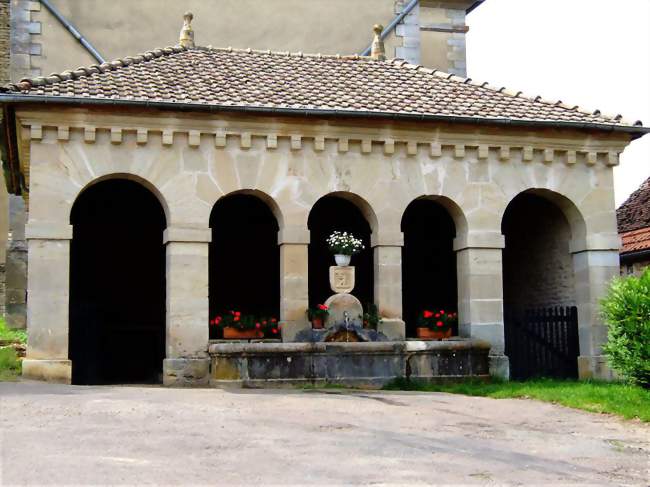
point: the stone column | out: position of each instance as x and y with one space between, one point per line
387 250
294 281
186 344
48 287
480 294
16 265
593 268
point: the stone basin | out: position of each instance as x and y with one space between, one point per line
362 364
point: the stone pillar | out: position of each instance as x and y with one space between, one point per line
186 344
16 265
480 294
388 284
294 281
49 291
593 271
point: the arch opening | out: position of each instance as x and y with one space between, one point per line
244 258
429 276
333 212
538 283
117 285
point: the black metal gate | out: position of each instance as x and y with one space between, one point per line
543 343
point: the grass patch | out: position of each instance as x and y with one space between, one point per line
6 333
628 401
10 365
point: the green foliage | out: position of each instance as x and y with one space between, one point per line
437 319
371 318
319 312
626 310
9 335
10 365
626 400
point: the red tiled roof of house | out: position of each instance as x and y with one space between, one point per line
265 80
635 212
636 240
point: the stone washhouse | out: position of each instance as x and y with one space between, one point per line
165 187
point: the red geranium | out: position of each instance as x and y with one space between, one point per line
427 313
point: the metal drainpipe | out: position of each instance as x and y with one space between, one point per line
73 30
393 23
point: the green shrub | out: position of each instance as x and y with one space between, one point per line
10 365
6 333
626 310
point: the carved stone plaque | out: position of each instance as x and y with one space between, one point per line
342 279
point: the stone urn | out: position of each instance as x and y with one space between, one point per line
342 260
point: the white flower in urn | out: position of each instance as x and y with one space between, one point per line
344 245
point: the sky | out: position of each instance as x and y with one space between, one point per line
592 53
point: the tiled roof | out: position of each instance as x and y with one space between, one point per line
270 80
635 212
636 240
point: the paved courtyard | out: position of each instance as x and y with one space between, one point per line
55 434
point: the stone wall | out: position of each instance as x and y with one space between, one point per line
190 161
432 34
5 42
635 268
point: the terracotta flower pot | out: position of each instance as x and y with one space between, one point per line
232 333
317 323
425 333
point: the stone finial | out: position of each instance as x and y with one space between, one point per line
186 38
378 52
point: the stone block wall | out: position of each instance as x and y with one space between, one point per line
5 42
192 161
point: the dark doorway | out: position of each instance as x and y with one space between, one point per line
428 261
117 285
244 258
538 279
332 213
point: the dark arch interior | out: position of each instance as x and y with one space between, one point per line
332 213
117 285
537 274
244 258
428 261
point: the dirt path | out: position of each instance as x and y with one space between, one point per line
52 434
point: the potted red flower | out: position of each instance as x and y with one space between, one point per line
435 325
318 315
236 326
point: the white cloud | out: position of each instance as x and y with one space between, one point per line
595 53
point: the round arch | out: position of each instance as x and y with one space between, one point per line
244 258
343 211
429 271
568 208
117 283
539 226
145 183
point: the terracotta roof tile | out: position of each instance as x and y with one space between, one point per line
636 240
264 79
635 212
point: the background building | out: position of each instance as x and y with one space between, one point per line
634 228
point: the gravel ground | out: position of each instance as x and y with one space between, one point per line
56 434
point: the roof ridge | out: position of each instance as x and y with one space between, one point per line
298 54
618 118
118 63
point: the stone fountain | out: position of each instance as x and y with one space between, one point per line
345 352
